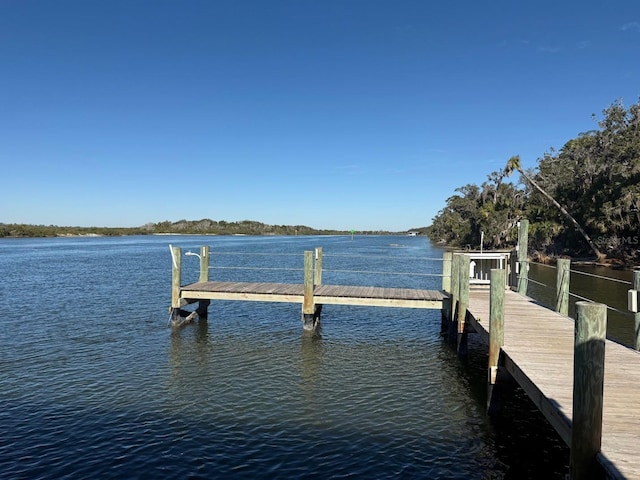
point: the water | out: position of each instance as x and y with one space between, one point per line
595 283
94 384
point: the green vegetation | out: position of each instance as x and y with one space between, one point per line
582 199
197 227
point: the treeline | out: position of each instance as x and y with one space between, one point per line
582 199
198 227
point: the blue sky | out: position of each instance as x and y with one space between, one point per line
343 114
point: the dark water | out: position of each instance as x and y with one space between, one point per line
94 384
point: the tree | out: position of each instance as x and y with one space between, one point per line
514 164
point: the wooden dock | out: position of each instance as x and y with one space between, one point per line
322 294
538 352
541 349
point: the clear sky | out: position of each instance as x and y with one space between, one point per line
363 114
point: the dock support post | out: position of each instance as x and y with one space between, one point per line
455 292
562 286
446 288
203 305
317 280
588 382
496 336
463 303
310 317
523 259
176 270
204 264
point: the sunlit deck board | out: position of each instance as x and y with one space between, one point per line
323 294
538 352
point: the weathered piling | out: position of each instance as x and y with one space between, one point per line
446 271
588 387
563 272
203 305
496 335
523 259
310 318
447 258
317 280
455 294
204 264
463 303
176 270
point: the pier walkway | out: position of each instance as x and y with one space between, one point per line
322 294
538 352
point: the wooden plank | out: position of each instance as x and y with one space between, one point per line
327 294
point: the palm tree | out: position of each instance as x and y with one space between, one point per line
514 164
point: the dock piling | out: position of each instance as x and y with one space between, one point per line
496 336
310 317
562 286
588 388
463 303
455 294
523 259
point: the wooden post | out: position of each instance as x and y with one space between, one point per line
496 334
588 381
513 261
446 271
317 281
204 264
445 313
636 316
523 259
463 303
318 267
176 270
563 273
203 305
455 284
455 292
308 309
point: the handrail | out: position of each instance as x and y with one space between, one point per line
383 273
601 276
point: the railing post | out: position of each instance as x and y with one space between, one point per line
203 305
446 271
588 382
309 321
513 275
636 316
523 259
463 303
176 270
204 264
318 267
496 333
563 272
455 284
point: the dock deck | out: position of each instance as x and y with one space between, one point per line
538 352
322 294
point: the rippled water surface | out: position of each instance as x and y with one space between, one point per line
94 384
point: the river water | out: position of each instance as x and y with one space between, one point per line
94 384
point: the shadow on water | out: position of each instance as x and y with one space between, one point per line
525 443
